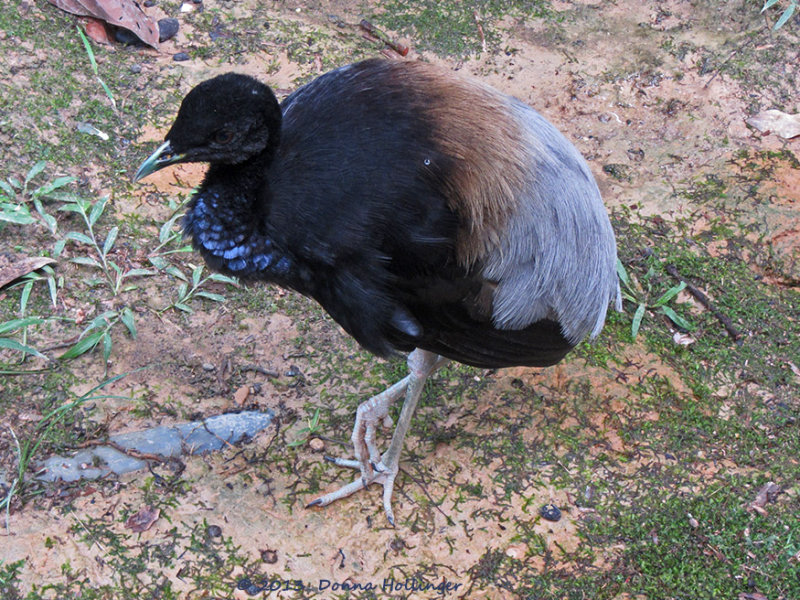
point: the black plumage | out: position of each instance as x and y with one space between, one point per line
420 209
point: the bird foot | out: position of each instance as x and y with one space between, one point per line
380 473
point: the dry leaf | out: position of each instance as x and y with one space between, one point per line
240 397
143 520
768 493
775 121
752 596
683 339
120 13
96 31
12 267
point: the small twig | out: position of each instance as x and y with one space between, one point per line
480 30
262 370
703 299
401 49
126 451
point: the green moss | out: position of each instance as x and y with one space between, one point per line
452 28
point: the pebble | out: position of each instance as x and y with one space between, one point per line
206 366
269 556
127 37
167 28
550 512
180 56
149 3
214 531
316 445
136 68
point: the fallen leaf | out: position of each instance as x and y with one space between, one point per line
143 520
120 13
96 31
240 397
752 596
768 493
12 267
683 339
777 122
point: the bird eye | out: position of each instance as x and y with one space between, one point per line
223 136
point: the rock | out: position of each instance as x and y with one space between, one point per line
167 28
180 56
550 512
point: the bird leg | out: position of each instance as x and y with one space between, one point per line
377 468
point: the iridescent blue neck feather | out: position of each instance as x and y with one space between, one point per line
230 241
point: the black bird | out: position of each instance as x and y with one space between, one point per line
424 211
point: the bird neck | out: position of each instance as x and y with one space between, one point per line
226 221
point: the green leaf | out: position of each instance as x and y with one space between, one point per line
210 296
183 307
677 319
769 4
183 290
126 316
106 346
49 188
48 219
139 273
223 279
58 247
77 207
15 345
110 239
8 189
637 320
53 288
176 272
14 324
97 210
166 229
83 346
89 50
85 260
17 214
159 262
24 296
34 171
101 320
787 14
197 273
15 182
79 237
622 273
670 294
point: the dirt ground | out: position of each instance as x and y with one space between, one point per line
642 89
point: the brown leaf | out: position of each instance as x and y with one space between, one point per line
241 395
12 266
120 13
143 520
96 31
783 124
768 492
752 596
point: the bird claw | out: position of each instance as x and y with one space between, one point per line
382 474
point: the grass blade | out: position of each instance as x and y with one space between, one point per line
637 320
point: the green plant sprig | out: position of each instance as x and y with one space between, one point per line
633 292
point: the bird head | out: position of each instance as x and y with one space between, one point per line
225 120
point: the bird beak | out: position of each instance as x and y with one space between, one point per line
163 156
